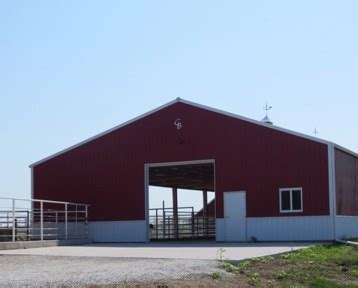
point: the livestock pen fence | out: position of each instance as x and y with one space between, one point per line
34 219
183 223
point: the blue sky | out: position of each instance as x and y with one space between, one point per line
71 69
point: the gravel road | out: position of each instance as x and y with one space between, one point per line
35 271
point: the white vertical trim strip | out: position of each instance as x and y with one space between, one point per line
42 221
32 195
66 221
332 185
334 192
146 200
215 198
32 182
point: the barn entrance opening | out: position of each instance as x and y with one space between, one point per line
182 202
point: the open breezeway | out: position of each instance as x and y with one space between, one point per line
166 250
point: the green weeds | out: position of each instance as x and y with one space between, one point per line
216 276
317 266
254 278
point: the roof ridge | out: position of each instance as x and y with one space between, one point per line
181 100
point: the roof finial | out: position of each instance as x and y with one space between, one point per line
315 132
266 118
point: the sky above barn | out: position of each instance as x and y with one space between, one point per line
72 69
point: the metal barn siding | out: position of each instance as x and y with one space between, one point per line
108 172
346 183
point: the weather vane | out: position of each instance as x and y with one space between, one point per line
266 119
315 132
267 108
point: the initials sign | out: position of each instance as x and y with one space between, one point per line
178 124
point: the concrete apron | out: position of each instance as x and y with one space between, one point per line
39 244
203 250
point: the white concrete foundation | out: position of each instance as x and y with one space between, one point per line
346 226
220 230
118 231
294 228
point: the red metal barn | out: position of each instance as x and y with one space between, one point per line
270 183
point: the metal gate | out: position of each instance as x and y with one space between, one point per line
164 225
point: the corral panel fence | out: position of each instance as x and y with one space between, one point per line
34 220
166 224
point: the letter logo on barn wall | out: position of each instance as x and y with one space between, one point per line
178 124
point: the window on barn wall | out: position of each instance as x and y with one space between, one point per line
291 200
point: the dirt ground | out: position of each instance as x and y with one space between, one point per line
321 266
194 282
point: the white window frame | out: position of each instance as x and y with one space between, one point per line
291 210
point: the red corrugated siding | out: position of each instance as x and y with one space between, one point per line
346 183
210 209
108 172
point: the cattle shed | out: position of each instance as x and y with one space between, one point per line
270 184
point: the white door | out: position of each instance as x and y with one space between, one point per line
235 216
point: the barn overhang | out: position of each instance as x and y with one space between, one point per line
192 177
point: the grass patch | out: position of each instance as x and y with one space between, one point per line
230 268
216 276
332 265
254 278
244 265
323 283
279 275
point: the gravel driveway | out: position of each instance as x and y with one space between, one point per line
35 271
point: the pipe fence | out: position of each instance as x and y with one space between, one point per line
185 223
34 219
